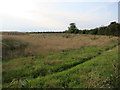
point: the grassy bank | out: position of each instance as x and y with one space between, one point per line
64 60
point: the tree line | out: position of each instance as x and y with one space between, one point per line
112 29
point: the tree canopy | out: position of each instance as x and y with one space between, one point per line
112 29
72 28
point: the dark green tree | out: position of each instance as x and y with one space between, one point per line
72 28
112 29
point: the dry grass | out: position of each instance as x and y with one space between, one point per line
43 44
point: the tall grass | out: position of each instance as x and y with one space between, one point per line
13 48
53 43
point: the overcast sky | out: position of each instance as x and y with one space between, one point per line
55 15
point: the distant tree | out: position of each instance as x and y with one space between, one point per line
93 31
113 23
72 28
84 32
80 32
112 29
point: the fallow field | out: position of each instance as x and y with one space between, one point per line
60 60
